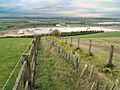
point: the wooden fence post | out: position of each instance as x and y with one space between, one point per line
105 85
90 47
62 39
71 40
112 86
66 40
83 71
27 75
91 71
117 84
68 55
37 41
77 64
111 55
97 85
92 87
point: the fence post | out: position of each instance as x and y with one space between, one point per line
92 86
105 85
71 40
97 85
90 47
83 71
111 55
66 40
117 84
27 75
62 39
77 64
91 71
112 87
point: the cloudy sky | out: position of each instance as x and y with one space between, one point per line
51 8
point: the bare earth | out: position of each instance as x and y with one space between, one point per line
40 30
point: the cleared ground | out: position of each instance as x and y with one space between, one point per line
10 52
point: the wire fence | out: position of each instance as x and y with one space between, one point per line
86 72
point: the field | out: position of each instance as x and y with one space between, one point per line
100 35
11 24
51 71
11 50
55 72
18 23
101 43
50 74
62 65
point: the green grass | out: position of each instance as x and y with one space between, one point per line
12 24
10 52
99 35
9 24
100 50
53 72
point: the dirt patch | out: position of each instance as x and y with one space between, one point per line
8 32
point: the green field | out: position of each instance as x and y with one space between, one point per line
53 72
11 24
10 52
99 35
101 43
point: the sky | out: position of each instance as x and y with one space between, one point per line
60 8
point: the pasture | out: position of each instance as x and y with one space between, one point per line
6 24
105 75
99 35
11 50
101 43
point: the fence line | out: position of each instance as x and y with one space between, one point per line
11 74
89 69
26 73
90 47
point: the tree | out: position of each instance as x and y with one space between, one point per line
55 32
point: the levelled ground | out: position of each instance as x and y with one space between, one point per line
11 50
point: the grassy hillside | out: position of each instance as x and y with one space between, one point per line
101 43
99 35
10 52
53 72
